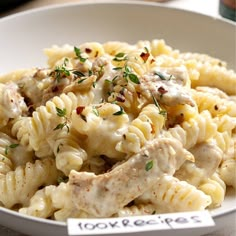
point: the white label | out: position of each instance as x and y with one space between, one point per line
171 221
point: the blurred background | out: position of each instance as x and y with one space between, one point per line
214 8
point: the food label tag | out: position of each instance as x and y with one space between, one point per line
120 225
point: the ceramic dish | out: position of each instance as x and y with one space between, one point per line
24 35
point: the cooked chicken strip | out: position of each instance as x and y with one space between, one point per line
103 195
12 103
165 88
208 156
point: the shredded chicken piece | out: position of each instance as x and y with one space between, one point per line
12 103
167 89
33 86
103 195
98 66
208 156
81 84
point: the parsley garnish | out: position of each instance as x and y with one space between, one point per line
149 165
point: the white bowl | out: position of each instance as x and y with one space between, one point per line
24 35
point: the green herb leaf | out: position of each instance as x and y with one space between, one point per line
78 73
117 68
120 112
120 54
134 78
81 80
120 57
66 60
90 72
146 49
78 54
6 150
60 126
127 69
14 145
127 74
11 146
61 71
108 81
161 111
155 102
149 165
161 75
95 111
61 112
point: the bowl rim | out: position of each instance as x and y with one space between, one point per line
103 2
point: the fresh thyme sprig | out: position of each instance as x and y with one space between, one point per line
78 55
62 113
161 111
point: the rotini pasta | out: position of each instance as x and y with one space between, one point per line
145 127
227 170
215 188
12 103
116 129
18 186
170 195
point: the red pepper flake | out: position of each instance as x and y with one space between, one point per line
216 107
145 56
161 90
120 98
55 89
153 131
88 50
79 110
153 60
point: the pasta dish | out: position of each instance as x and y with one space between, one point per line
116 129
